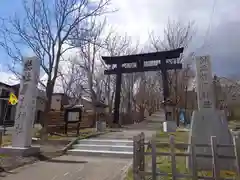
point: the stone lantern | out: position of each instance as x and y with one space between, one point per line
169 125
100 116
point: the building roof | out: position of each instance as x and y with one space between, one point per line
16 87
4 84
73 106
97 104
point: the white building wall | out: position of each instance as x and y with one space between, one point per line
56 102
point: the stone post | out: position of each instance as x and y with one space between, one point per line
207 121
205 94
26 107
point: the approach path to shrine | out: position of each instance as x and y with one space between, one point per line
69 167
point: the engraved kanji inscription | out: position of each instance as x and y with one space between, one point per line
27 76
28 65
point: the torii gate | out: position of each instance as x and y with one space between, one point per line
139 59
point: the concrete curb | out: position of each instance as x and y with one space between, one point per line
124 171
69 145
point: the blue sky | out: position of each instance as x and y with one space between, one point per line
7 9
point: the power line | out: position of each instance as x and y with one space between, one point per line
210 21
209 25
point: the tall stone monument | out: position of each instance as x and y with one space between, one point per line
26 107
207 121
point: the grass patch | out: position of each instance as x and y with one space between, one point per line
129 175
3 155
179 136
61 136
234 124
6 140
87 134
164 162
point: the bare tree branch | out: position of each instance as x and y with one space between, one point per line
176 35
46 27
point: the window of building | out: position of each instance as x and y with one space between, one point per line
5 93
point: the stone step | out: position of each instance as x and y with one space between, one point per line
84 152
125 148
119 142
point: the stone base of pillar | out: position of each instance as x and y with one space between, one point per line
205 124
18 151
169 126
100 126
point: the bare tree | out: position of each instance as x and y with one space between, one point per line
73 81
89 63
153 93
185 81
89 56
129 80
149 94
229 90
176 35
45 30
114 45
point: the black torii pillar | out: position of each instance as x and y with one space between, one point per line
164 79
117 94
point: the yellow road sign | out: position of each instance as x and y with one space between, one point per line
13 99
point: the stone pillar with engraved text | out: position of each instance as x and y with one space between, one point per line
208 121
26 106
204 83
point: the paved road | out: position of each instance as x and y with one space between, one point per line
69 167
149 127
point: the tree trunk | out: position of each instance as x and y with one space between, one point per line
44 131
141 113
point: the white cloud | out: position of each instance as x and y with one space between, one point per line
6 77
138 17
135 18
